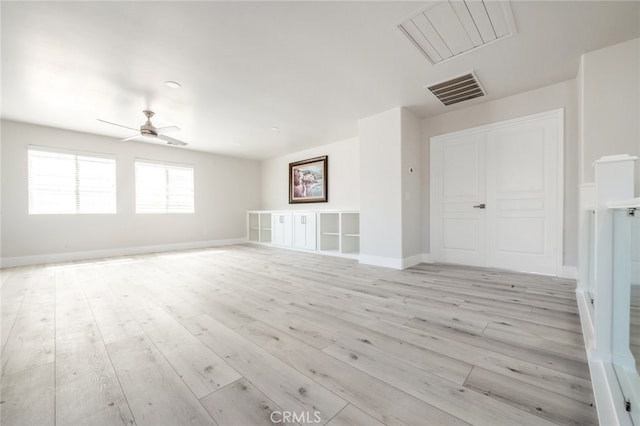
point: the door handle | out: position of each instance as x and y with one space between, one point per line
480 206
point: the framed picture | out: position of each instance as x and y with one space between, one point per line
308 181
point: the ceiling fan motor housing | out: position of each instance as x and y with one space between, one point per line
148 129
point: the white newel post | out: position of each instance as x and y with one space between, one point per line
614 181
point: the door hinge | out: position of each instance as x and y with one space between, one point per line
631 211
627 405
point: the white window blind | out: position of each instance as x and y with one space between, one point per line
70 183
164 188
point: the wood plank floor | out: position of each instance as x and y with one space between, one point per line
250 335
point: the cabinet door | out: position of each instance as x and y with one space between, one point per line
282 229
304 231
312 232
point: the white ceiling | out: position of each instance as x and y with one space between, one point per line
311 69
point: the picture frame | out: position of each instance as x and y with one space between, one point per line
308 181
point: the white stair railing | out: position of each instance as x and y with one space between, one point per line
603 280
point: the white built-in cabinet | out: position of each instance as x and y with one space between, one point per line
304 231
327 232
282 232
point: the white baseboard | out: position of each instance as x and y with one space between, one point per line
395 263
10 262
569 272
385 262
410 261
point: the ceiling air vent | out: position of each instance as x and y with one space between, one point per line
457 89
448 28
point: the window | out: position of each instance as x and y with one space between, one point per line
64 182
164 188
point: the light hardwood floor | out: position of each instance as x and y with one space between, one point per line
243 335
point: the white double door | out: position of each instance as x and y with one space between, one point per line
495 195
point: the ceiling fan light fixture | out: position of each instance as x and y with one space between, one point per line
173 84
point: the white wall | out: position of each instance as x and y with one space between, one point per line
411 186
561 95
225 188
344 178
381 189
609 84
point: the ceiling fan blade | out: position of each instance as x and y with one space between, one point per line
167 129
172 141
131 137
119 125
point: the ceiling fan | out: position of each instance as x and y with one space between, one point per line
149 131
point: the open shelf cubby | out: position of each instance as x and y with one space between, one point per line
265 227
259 227
254 227
329 231
350 232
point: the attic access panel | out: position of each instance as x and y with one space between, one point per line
448 28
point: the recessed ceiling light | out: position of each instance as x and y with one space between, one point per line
173 84
275 129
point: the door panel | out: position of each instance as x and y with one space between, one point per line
460 234
457 227
517 157
520 235
461 171
522 196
